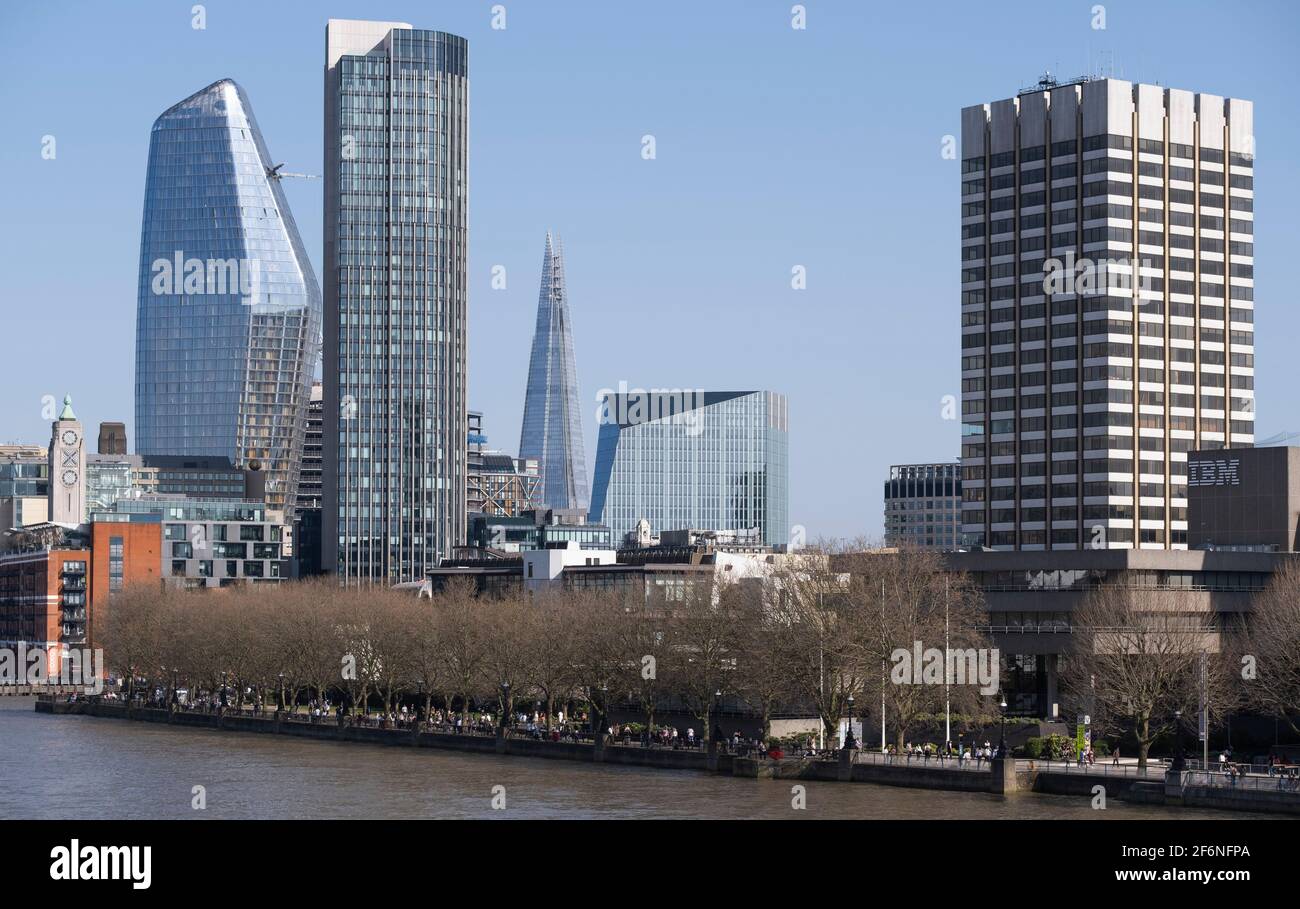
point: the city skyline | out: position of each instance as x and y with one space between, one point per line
730 274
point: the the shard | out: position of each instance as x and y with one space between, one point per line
228 313
552 428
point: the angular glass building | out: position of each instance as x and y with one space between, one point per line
693 459
228 313
552 429
396 308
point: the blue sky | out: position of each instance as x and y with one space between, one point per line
775 148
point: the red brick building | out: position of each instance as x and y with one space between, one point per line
60 594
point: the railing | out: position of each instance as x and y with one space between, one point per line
1253 769
1154 770
1280 782
934 761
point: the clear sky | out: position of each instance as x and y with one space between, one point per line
775 147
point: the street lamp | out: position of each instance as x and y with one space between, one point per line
604 707
505 703
1178 741
1002 736
281 677
716 735
849 742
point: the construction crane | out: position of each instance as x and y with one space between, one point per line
275 174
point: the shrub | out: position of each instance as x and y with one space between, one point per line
1034 747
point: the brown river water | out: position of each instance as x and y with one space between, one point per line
77 767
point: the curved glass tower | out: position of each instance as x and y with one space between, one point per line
552 428
229 311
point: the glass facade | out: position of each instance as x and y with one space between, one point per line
552 427
108 479
923 506
697 460
394 401
228 317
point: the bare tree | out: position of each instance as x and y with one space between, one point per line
554 644
702 647
132 633
908 602
465 642
1135 655
824 622
763 678
1267 650
507 625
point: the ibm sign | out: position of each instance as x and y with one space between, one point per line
1217 472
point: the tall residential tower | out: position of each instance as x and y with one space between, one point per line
552 427
396 201
228 313
1107 307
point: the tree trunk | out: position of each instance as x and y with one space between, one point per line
1144 739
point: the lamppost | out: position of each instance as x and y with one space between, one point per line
849 742
716 735
505 704
1178 742
175 697
604 707
1002 736
282 704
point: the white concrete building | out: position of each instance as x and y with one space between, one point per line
1085 383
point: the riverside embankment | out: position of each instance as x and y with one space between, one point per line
1001 779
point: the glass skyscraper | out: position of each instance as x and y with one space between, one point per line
228 314
396 200
693 459
552 427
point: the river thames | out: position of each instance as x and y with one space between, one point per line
80 767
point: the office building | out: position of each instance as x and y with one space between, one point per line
307 523
535 529
923 506
1107 303
396 208
1244 526
210 544
228 317
552 426
497 483
24 487
56 582
693 459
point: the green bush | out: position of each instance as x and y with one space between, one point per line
1034 747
